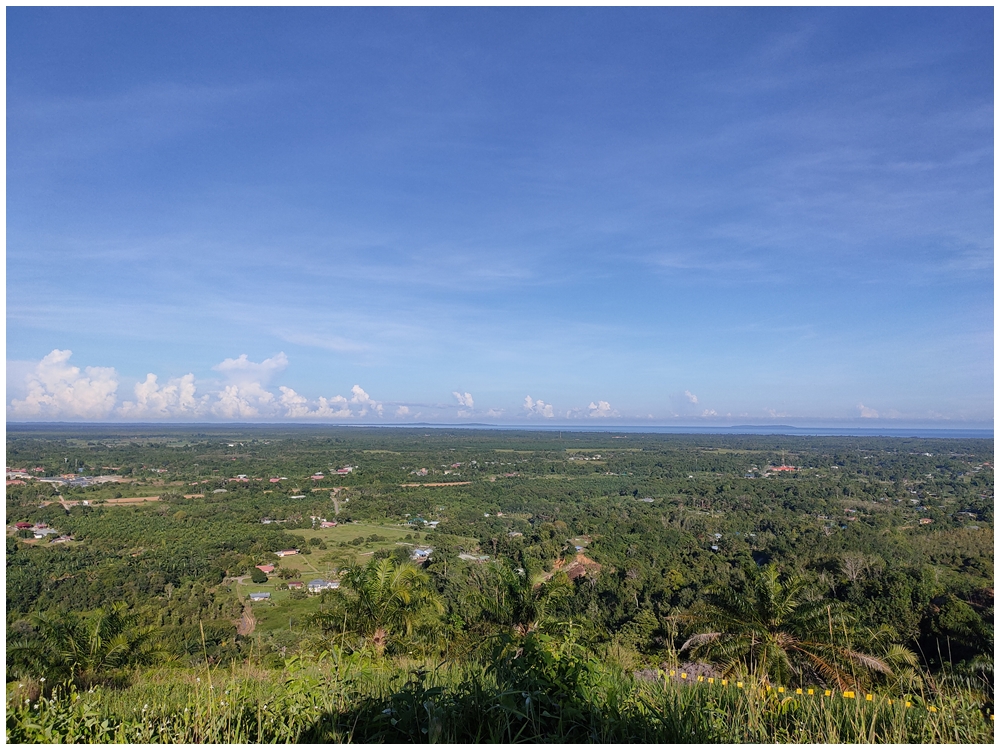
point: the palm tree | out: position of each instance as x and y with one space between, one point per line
380 602
773 631
87 650
511 599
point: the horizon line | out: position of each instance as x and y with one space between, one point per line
882 426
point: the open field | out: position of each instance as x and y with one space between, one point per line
349 531
434 484
112 501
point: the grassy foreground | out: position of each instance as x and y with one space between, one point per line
546 691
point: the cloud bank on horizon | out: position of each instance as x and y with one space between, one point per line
517 215
55 390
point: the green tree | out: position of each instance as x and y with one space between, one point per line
511 599
86 651
773 631
381 603
258 576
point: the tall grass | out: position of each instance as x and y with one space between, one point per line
542 693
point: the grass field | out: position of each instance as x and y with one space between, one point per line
352 698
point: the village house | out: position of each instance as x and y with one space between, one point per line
287 552
473 558
295 585
265 568
262 596
318 585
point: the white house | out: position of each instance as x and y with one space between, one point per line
318 585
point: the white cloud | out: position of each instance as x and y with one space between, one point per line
57 389
175 399
494 412
866 412
690 397
242 370
297 406
366 401
335 407
709 413
402 411
463 399
243 401
538 407
601 409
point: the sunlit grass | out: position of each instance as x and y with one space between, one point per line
358 699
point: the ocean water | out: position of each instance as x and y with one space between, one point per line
902 432
966 433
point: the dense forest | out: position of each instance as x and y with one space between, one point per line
829 563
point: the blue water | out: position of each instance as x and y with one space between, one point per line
901 432
763 429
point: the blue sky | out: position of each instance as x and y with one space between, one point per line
500 215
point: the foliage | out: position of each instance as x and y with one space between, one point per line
84 651
886 547
352 698
510 598
772 631
382 603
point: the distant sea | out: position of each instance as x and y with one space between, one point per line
916 432
743 429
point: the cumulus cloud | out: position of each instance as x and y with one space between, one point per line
295 405
494 412
57 389
464 399
366 401
174 399
298 406
242 370
601 409
866 412
709 413
690 397
402 411
538 407
244 401
335 407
